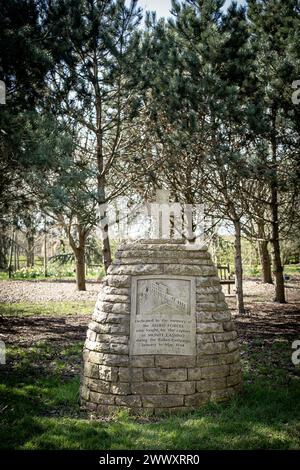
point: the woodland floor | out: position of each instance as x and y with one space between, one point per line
43 325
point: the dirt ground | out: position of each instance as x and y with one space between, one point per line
264 320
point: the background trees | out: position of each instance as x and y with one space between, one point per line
92 86
200 105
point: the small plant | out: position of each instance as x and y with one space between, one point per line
28 273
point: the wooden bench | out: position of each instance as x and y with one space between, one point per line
224 275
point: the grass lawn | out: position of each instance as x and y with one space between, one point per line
39 408
39 388
47 308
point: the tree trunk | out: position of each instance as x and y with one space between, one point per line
30 250
80 268
45 255
276 258
101 180
265 262
79 253
10 267
106 251
277 267
238 267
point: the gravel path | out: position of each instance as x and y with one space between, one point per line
47 291
36 291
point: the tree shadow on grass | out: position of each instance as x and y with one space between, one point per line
39 409
43 413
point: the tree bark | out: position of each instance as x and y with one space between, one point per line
79 253
80 269
45 255
238 267
10 267
30 250
101 182
276 258
106 250
277 266
265 262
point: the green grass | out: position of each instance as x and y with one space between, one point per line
39 408
47 308
66 272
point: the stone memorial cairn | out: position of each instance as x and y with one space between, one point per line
161 336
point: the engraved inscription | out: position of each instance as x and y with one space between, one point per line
163 316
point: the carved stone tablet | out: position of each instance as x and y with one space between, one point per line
163 315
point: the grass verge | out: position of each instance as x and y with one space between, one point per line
47 308
39 409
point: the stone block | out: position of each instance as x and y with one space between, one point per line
234 379
173 361
130 400
226 336
232 345
212 281
99 386
116 339
110 374
206 385
218 359
109 307
151 388
235 368
181 388
209 327
84 392
135 269
164 401
116 298
120 388
178 410
196 399
211 348
115 359
194 374
100 398
204 317
130 374
91 370
206 307
222 316
91 335
106 410
222 395
228 326
204 338
215 371
206 298
118 291
117 318
165 374
118 280
141 361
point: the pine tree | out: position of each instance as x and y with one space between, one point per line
275 37
92 85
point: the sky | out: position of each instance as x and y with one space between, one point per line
162 7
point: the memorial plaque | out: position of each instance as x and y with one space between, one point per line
163 315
